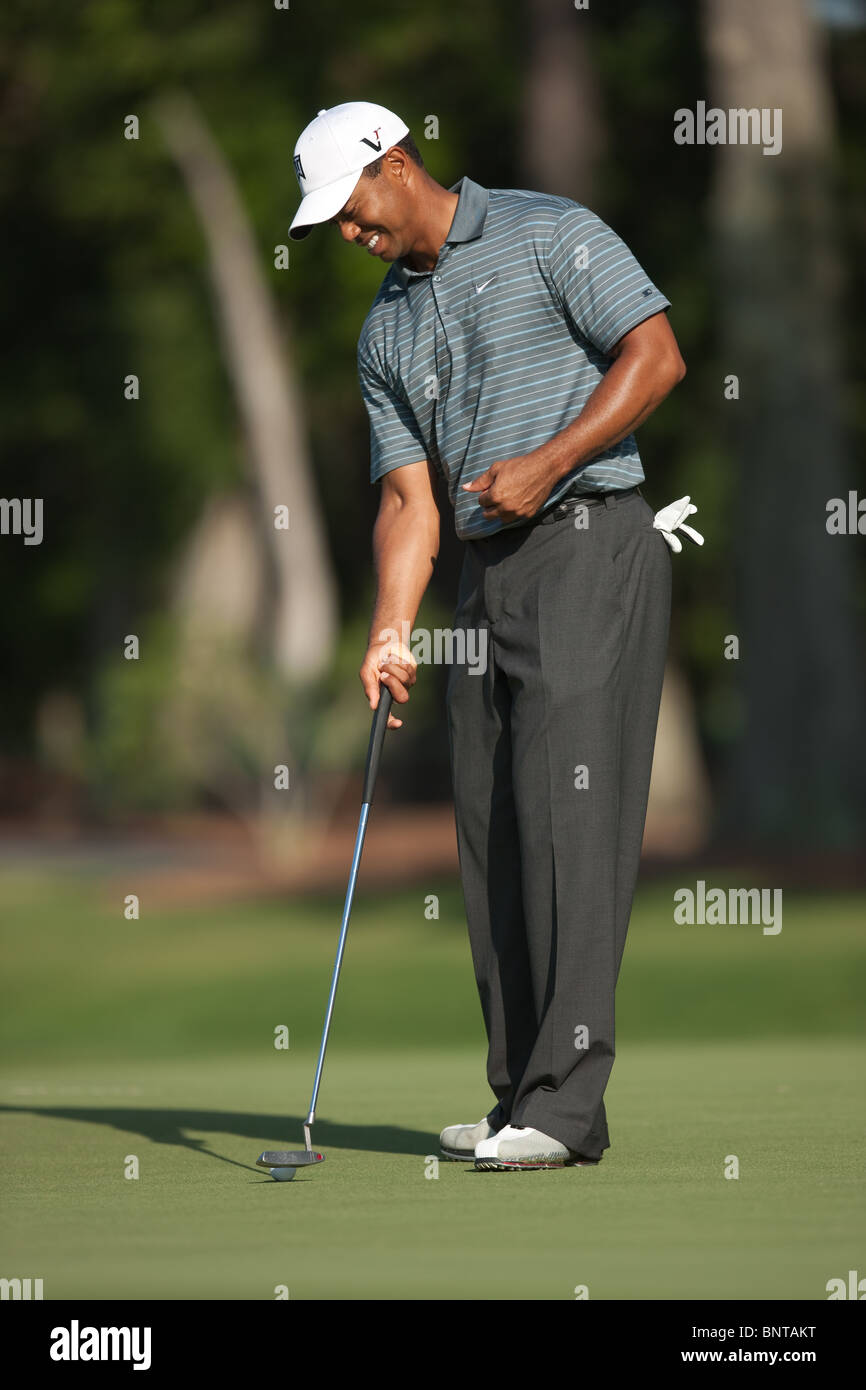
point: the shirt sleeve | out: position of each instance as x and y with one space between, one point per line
603 289
395 438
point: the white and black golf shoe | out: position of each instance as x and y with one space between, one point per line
459 1141
519 1147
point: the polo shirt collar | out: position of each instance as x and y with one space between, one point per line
467 224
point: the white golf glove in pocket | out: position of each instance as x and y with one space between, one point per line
672 518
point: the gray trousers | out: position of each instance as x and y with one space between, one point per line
551 754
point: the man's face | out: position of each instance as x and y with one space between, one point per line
376 215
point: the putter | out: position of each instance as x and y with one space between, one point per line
300 1158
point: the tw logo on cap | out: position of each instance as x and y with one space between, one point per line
299 168
378 144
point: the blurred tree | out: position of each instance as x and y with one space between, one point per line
562 130
303 593
797 773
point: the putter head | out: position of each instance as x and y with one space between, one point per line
288 1158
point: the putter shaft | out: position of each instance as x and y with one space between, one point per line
286 1158
341 944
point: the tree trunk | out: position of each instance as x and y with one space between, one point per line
562 130
303 606
797 774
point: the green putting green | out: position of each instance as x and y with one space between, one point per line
656 1219
153 1041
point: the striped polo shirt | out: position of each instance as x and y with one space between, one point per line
498 347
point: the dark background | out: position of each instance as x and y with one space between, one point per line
109 261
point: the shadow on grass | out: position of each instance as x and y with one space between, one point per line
263 1131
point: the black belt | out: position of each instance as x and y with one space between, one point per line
572 500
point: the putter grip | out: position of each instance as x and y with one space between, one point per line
377 738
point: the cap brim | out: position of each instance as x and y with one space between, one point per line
322 205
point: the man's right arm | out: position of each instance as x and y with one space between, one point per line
405 547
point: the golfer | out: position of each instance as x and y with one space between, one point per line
514 346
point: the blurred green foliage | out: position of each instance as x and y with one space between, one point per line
106 275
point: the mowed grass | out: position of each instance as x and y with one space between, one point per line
657 1219
154 1039
80 979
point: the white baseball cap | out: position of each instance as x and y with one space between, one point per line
331 153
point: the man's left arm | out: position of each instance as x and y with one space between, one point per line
646 366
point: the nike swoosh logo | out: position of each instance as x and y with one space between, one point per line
479 288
